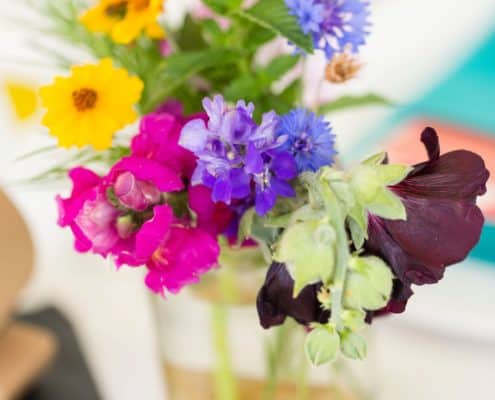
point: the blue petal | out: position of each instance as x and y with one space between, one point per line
194 135
222 190
240 183
265 200
254 161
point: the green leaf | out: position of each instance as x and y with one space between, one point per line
366 183
292 93
358 235
391 174
223 6
190 37
322 345
179 68
274 15
344 192
308 249
357 220
387 205
359 215
246 225
353 345
279 66
375 159
245 87
346 102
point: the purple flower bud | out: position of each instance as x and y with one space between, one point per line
135 194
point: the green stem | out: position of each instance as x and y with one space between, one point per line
225 383
337 216
225 380
275 358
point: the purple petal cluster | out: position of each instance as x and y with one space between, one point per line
335 25
237 157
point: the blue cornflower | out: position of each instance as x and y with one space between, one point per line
308 138
236 156
335 25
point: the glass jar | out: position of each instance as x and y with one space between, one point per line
213 347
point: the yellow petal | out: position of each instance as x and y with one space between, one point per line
24 99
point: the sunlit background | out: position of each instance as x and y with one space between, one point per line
434 59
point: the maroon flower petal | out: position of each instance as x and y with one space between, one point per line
275 300
443 222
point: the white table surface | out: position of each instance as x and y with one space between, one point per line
443 348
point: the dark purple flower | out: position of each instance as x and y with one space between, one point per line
443 222
275 300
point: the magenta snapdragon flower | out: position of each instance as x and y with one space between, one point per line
136 213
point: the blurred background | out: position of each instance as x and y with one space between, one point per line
435 59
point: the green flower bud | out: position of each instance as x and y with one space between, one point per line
354 319
125 226
353 345
322 344
369 284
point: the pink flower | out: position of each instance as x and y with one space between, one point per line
158 140
174 253
183 255
214 218
129 213
89 214
135 194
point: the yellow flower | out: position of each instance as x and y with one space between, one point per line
90 105
24 99
125 20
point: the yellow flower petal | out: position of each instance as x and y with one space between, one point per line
90 105
24 99
127 19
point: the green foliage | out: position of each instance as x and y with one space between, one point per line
178 68
190 36
307 248
273 15
347 102
370 183
223 6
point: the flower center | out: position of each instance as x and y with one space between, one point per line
140 5
117 10
84 99
302 143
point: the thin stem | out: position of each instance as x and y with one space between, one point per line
337 220
225 383
225 380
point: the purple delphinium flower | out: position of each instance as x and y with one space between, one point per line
335 25
309 139
236 155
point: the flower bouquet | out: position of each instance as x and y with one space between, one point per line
230 175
